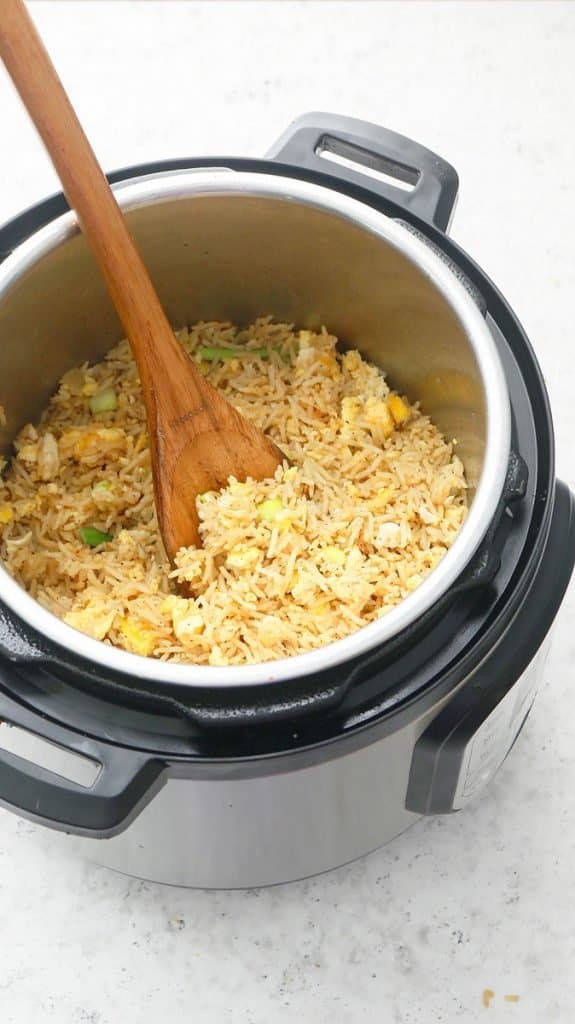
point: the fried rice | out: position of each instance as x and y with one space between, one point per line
368 502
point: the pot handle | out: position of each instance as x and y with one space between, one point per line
67 780
465 744
360 153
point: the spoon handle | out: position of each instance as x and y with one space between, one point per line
90 195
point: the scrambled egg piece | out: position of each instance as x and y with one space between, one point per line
381 499
28 453
332 555
242 557
320 608
139 636
378 418
351 361
187 622
216 657
6 514
350 408
393 535
92 445
48 457
28 506
398 409
316 353
93 620
272 630
90 387
389 535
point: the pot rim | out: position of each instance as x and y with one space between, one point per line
180 184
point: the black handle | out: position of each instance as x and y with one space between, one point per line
432 181
440 754
125 778
363 154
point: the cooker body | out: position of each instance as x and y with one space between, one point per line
243 823
268 822
232 798
277 827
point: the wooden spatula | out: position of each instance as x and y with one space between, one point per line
197 439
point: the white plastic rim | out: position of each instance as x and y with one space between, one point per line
176 185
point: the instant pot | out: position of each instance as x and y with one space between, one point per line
258 774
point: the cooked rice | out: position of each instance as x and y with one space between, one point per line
372 500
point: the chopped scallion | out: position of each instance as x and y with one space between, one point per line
94 537
268 510
213 354
104 401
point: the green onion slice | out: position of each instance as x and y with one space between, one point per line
104 401
94 537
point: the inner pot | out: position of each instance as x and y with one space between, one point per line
229 245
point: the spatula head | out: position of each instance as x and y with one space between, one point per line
206 463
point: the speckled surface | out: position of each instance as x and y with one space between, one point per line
416 932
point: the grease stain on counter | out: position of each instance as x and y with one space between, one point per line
488 994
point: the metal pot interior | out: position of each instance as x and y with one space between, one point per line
219 252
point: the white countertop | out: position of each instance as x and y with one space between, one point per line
414 933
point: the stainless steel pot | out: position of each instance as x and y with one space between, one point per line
227 244
205 783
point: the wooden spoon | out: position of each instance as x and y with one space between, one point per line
197 439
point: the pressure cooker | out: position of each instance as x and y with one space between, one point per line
251 775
